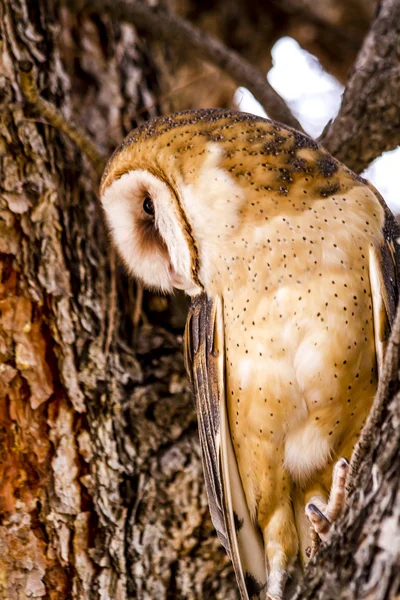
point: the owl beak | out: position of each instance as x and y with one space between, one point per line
181 283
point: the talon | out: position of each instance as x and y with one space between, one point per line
319 521
322 518
315 510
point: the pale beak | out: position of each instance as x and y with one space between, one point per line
182 283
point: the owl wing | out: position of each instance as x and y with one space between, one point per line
205 364
384 275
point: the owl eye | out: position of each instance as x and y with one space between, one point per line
148 206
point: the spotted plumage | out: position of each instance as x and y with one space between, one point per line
292 264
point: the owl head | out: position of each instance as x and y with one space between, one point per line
168 197
182 192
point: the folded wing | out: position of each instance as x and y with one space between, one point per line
384 274
205 365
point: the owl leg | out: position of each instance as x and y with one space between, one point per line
306 534
321 513
281 546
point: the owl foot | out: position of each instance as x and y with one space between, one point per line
322 514
319 521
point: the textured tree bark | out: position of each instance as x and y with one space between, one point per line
101 491
368 122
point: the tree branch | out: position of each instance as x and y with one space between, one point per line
368 122
55 118
175 30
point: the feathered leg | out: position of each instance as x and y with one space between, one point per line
276 520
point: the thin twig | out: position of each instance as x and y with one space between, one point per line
55 118
173 29
172 92
112 306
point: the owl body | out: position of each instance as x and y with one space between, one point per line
301 362
289 245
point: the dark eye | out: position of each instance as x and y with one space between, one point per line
148 206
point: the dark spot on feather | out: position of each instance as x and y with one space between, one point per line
253 586
283 190
327 166
300 165
238 522
274 144
329 190
285 175
303 141
216 137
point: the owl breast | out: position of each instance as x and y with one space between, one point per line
300 348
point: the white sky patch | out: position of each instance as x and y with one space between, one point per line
246 102
314 97
383 174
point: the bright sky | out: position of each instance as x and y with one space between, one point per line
314 97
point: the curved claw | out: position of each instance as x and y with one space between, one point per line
311 508
322 516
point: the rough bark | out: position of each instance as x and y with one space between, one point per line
163 25
101 488
368 122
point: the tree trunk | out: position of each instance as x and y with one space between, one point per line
101 487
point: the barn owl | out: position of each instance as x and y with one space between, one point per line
291 261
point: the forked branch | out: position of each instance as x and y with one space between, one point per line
163 25
368 122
